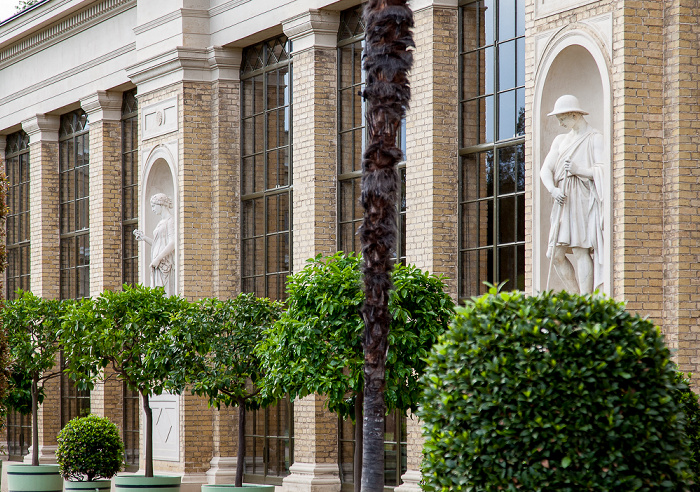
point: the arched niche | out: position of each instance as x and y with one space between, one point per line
159 176
574 62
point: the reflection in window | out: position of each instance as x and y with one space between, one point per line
352 137
266 157
492 149
395 447
130 167
19 434
17 172
266 191
74 213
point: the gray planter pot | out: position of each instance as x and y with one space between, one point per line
247 487
28 478
139 483
94 486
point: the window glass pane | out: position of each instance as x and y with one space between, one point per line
506 115
506 19
486 27
506 65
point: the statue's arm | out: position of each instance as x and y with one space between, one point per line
141 236
547 171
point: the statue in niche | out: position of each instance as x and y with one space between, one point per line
574 172
162 265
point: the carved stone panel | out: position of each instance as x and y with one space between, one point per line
166 427
159 118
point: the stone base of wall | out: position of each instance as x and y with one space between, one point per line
223 470
47 455
312 477
411 482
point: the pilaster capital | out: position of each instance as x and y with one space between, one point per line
312 29
225 63
103 105
417 5
42 128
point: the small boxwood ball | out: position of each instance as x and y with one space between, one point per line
89 448
552 392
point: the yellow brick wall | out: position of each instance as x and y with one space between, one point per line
105 206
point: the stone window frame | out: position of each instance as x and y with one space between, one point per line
131 406
491 165
262 61
17 162
74 210
351 35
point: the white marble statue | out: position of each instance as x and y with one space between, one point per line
574 172
162 266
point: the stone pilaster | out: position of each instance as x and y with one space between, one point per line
225 160
44 252
43 205
681 224
313 35
104 114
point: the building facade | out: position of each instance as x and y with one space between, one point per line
246 115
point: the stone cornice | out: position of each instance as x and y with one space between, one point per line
42 128
56 33
185 64
312 29
103 106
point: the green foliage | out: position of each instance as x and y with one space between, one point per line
32 325
19 395
129 330
689 402
552 392
316 346
89 448
25 4
225 334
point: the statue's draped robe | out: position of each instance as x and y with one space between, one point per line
581 220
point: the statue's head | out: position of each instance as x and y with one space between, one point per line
567 104
162 199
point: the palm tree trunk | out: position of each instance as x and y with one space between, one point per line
386 63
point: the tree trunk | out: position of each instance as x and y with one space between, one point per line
386 63
240 459
35 420
148 434
359 428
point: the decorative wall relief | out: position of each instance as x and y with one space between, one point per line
159 118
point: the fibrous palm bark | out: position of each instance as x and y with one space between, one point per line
387 60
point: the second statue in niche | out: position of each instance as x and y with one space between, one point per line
574 172
162 266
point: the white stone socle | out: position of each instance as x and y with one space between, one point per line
312 477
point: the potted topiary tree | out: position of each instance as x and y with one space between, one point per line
316 346
129 331
90 452
32 326
226 369
552 392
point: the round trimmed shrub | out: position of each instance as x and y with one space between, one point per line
552 392
89 448
689 402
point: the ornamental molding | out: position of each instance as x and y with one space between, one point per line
224 7
174 15
84 19
69 73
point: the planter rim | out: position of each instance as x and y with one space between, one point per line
26 469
